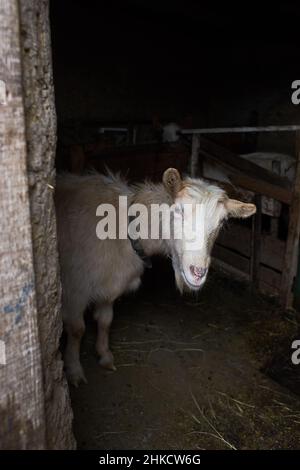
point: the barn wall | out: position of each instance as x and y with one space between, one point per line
40 120
122 64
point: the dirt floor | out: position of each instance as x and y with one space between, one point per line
206 372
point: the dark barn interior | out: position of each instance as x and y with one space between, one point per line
205 371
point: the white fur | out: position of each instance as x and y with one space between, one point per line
100 271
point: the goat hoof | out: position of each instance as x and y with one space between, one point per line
75 376
107 361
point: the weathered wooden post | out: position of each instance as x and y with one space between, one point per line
34 402
292 245
22 420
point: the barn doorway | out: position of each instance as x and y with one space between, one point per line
211 371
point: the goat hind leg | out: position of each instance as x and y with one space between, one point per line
104 315
75 328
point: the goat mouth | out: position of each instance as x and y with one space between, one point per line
190 284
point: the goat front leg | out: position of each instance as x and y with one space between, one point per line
104 315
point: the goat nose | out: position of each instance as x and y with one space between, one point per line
198 272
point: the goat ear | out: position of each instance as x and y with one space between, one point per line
172 181
239 209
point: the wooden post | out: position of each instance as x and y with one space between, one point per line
292 244
194 155
22 419
40 122
256 243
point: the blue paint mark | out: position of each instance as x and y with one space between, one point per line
9 309
19 305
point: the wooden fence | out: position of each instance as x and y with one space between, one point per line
250 176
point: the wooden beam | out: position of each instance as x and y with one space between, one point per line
247 174
241 130
292 245
261 187
235 162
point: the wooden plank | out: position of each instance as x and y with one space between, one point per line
270 279
228 158
235 162
232 258
22 421
238 238
262 187
255 185
227 268
247 174
292 245
242 130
